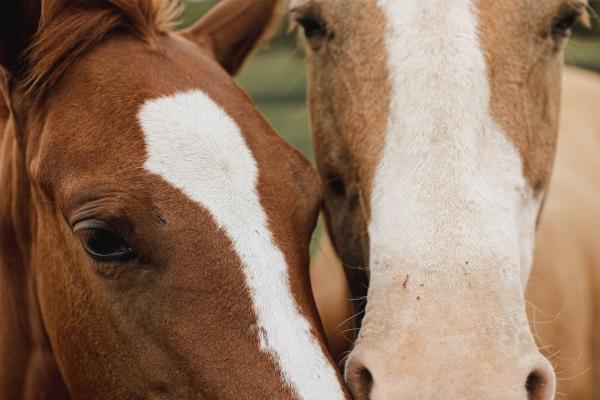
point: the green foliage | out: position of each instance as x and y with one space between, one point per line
584 52
584 49
194 10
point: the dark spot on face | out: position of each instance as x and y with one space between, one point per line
337 187
418 298
405 281
160 388
264 336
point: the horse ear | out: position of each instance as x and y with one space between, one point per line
233 28
18 23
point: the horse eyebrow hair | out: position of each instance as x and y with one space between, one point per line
66 32
586 19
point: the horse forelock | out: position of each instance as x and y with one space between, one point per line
65 32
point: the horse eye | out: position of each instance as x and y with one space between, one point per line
105 245
562 26
335 185
312 26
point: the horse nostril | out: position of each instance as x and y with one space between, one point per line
337 187
366 381
360 380
538 386
532 385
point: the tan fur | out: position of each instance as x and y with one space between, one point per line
349 87
333 297
348 139
564 289
525 85
563 296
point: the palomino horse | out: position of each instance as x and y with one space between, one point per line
562 301
435 126
155 229
563 294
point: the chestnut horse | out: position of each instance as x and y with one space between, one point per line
155 229
434 127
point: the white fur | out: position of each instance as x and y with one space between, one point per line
196 146
452 222
449 187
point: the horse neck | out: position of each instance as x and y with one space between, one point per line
27 366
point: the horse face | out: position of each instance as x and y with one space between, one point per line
434 127
172 226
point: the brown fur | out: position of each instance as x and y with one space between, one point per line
265 13
66 32
176 322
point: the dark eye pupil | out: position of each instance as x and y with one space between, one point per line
104 245
564 25
337 186
312 27
102 242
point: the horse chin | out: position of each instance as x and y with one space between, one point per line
422 340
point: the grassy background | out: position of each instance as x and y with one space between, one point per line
276 76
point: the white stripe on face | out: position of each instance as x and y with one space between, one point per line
196 146
452 223
449 184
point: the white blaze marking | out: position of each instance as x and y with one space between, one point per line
449 183
196 146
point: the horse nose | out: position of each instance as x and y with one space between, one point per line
538 383
359 379
541 382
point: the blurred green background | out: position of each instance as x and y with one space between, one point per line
276 76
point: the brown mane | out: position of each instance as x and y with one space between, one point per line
65 32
